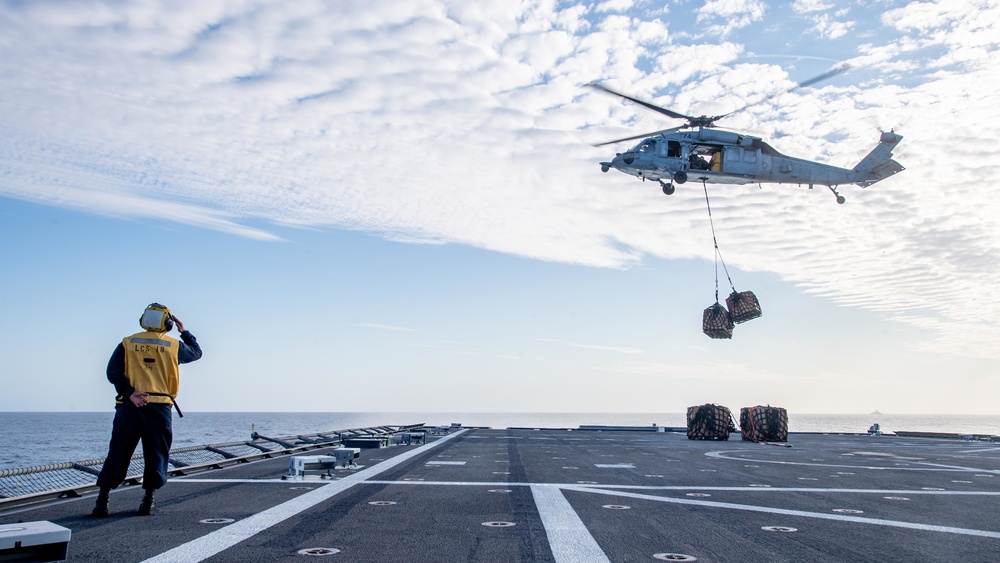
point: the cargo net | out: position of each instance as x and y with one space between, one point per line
718 322
709 422
764 424
743 306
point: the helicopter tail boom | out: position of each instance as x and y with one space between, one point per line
878 164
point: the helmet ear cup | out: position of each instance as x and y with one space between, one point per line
169 324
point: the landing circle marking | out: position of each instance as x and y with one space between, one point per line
318 551
674 557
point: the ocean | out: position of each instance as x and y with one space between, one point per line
29 439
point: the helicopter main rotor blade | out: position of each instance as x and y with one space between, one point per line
658 109
654 133
839 69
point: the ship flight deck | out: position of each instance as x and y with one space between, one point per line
569 496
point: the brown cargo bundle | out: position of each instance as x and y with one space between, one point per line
764 424
709 422
743 306
716 322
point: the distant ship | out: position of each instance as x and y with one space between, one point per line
876 412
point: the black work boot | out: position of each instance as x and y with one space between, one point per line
146 506
101 509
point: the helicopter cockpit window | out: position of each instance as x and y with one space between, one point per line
649 145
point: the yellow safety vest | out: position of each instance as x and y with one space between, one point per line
151 365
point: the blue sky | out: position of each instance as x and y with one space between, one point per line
398 208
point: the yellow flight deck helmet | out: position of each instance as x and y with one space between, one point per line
156 318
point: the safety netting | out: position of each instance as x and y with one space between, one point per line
764 424
709 422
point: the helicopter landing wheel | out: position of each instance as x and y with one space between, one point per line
840 198
668 189
680 176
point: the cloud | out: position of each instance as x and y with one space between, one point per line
466 123
809 6
737 14
387 327
600 347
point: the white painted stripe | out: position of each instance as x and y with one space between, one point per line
190 480
688 488
722 455
615 465
979 451
445 463
208 545
957 467
569 538
801 513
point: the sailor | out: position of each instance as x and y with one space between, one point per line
143 369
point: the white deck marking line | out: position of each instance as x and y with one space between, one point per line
681 488
210 544
721 455
800 513
189 480
569 538
957 467
979 451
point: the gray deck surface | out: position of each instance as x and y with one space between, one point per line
572 496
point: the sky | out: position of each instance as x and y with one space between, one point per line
397 206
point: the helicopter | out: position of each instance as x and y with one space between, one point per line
697 150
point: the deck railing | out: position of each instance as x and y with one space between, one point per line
30 485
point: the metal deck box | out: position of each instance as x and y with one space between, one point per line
34 541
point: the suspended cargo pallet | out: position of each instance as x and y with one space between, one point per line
709 422
764 424
743 306
716 322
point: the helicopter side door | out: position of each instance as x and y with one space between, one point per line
741 161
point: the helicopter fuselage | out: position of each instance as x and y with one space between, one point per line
724 157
